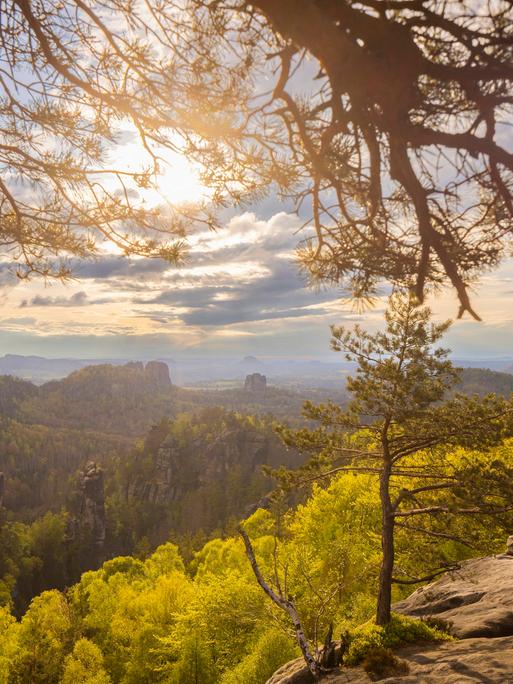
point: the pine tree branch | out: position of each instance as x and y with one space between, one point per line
410 493
427 578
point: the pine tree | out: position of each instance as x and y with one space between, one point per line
397 426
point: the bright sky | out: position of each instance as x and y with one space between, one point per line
240 293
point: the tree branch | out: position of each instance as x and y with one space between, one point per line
285 604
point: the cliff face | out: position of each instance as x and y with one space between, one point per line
208 474
87 524
181 469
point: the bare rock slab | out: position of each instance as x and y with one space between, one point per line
470 661
477 599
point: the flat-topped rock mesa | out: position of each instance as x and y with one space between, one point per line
157 373
255 382
477 601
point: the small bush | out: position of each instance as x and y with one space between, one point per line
401 630
439 623
381 662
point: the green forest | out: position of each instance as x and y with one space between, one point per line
126 561
157 618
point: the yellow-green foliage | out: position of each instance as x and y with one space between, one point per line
156 621
335 544
9 643
271 650
400 631
85 665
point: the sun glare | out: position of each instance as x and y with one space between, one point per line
178 181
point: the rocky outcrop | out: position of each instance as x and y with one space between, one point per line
86 523
203 473
484 661
156 373
173 475
180 470
2 489
136 366
92 509
477 599
255 382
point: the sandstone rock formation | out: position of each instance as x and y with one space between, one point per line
157 373
487 661
477 599
86 523
92 510
179 470
255 382
137 366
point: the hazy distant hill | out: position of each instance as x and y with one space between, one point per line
37 368
103 398
482 381
190 371
126 400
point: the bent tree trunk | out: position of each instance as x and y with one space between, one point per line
285 604
387 544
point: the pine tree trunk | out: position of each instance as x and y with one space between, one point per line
387 545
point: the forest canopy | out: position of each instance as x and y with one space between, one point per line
385 123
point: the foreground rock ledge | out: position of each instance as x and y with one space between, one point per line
477 600
467 661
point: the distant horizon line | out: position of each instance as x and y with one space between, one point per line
211 357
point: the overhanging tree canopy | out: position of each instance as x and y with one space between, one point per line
388 119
